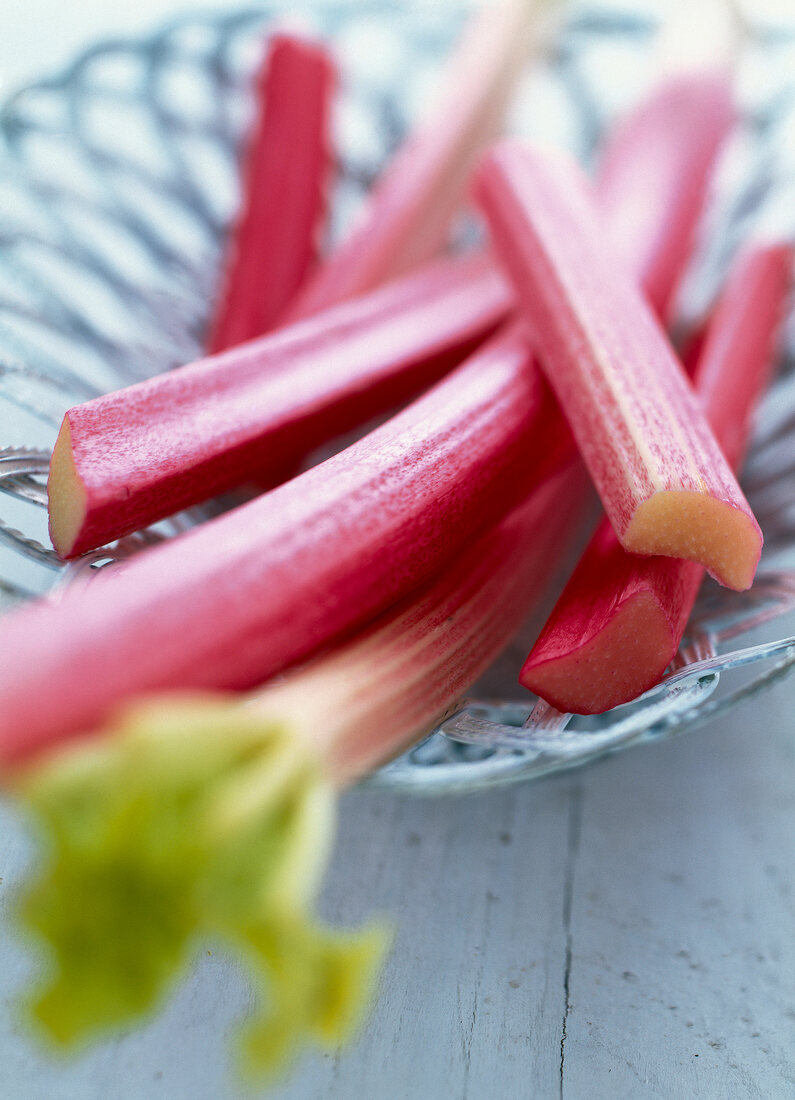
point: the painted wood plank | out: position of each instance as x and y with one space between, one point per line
476 887
682 976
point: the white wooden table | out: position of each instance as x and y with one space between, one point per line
622 931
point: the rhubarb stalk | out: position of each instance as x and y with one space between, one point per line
406 219
620 620
274 241
132 457
664 483
692 111
212 816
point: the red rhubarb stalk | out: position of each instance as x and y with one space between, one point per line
130 458
620 620
739 353
273 243
692 112
241 597
406 219
663 480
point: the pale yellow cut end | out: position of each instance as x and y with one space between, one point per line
626 658
700 528
66 493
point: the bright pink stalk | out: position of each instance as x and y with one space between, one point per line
130 458
273 243
249 593
407 217
620 620
693 113
664 483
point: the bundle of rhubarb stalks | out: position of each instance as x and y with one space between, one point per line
178 728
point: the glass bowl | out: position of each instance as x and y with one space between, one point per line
118 181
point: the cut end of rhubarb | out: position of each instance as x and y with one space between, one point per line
720 536
67 495
620 662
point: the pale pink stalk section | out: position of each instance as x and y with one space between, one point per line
691 112
407 217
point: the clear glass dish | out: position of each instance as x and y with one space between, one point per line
118 179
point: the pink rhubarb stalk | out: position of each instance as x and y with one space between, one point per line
407 218
663 480
130 458
620 620
273 243
249 593
692 112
